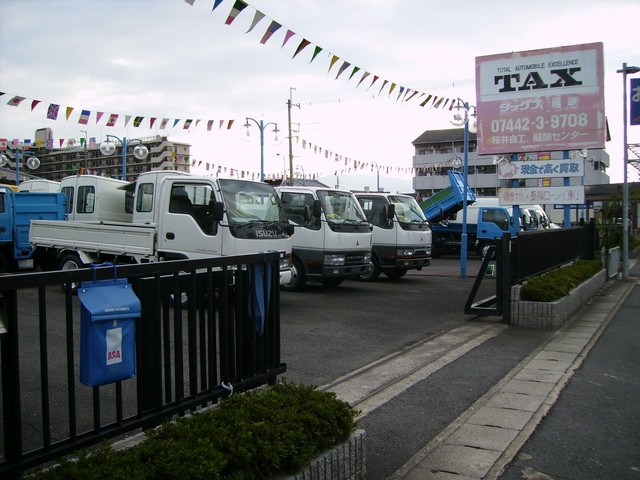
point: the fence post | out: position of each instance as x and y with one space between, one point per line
505 284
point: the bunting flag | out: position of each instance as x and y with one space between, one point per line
98 116
287 36
163 123
187 124
175 122
334 59
34 104
316 51
353 72
301 47
69 110
209 125
127 118
152 120
215 4
137 121
273 28
235 11
52 111
256 19
343 67
15 101
84 117
113 118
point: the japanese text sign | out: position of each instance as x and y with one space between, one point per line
541 168
549 99
571 195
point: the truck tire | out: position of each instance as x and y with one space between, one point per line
332 282
373 273
71 262
298 278
396 274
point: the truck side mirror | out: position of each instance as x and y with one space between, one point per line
317 208
289 229
218 211
391 211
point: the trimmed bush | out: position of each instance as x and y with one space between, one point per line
253 435
558 283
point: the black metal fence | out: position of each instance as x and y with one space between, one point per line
206 328
529 254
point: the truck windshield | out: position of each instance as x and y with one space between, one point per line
407 209
535 218
248 202
341 207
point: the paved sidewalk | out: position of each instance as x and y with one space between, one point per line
482 441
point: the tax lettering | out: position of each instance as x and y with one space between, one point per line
534 80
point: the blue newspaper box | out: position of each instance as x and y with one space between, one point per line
107 331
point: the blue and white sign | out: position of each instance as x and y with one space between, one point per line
634 102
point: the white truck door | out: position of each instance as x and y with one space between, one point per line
187 227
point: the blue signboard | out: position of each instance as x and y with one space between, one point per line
634 102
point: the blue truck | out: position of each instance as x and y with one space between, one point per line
487 220
17 209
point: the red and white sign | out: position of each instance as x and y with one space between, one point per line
549 99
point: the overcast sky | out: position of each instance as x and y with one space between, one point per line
169 59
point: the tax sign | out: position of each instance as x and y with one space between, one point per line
550 99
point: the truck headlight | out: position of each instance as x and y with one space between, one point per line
366 258
285 262
334 259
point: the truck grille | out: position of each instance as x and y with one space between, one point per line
354 259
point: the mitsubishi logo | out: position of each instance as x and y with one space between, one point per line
357 243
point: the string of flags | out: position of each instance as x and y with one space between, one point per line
403 93
345 164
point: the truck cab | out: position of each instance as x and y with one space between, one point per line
401 234
92 198
333 237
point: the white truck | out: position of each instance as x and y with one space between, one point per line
92 198
175 216
401 234
333 237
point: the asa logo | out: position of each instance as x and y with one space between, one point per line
114 355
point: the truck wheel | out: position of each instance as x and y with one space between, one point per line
71 262
298 279
396 274
373 273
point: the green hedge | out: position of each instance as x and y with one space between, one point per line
558 283
253 435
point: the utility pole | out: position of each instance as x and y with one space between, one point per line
289 105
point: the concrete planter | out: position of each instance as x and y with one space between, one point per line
552 315
344 462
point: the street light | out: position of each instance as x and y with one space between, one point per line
33 162
108 148
261 125
463 116
625 186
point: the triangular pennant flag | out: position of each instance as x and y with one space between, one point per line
375 79
163 123
187 124
287 36
393 86
175 122
343 67
256 19
315 53
415 92
273 28
399 93
69 110
190 2
230 124
355 70
301 47
152 120
137 121
197 122
383 84
34 103
334 59
99 116
364 75
215 4
126 120
221 123
209 125
235 11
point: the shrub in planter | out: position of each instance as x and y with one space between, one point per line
254 435
558 283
